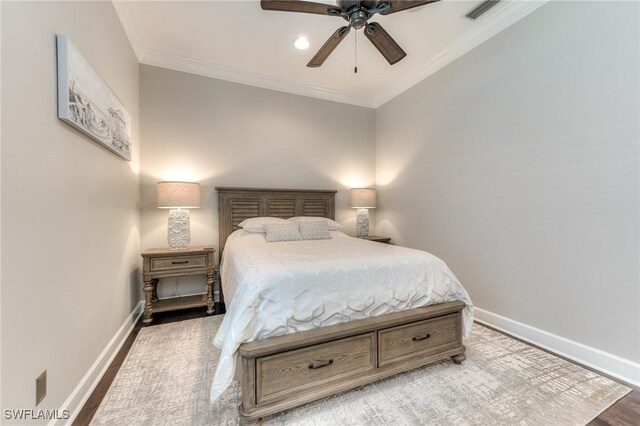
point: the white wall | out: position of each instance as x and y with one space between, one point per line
70 208
226 134
518 164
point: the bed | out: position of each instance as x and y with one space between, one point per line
308 319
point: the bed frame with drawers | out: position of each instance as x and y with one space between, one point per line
283 372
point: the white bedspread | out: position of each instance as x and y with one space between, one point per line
272 289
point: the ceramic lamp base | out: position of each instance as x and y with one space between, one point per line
362 223
179 229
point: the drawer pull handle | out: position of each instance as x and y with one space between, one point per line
320 364
179 262
419 338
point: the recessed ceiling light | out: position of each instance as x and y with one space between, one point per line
301 43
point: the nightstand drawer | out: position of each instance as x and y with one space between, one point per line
417 339
177 262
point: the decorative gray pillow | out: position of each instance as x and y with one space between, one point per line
318 230
282 232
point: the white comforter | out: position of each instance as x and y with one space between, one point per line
272 289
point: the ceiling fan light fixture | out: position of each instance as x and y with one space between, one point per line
301 43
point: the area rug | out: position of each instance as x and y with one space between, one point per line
166 376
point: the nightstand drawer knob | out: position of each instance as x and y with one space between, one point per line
320 364
179 262
419 338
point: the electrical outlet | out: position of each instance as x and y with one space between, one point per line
41 387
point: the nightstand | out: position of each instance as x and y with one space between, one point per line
378 239
165 263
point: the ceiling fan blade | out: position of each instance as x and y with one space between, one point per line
300 6
400 5
328 47
381 39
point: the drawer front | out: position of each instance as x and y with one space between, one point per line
410 340
177 262
293 372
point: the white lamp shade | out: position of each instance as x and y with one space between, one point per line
175 195
363 198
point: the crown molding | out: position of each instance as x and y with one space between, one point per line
511 13
132 27
237 75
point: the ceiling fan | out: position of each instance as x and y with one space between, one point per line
357 13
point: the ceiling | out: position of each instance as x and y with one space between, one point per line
238 41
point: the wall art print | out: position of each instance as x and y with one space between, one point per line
86 102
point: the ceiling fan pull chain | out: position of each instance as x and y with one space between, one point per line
355 68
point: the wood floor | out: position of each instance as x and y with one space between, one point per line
625 412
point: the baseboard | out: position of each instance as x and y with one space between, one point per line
81 393
609 364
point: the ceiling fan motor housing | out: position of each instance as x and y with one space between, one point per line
356 12
358 19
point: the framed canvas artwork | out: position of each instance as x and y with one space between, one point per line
86 102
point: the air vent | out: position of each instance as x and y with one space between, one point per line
481 9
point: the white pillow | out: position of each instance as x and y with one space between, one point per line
331 224
256 224
318 230
282 232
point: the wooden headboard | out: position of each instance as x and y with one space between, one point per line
238 204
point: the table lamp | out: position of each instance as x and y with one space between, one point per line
178 196
363 199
